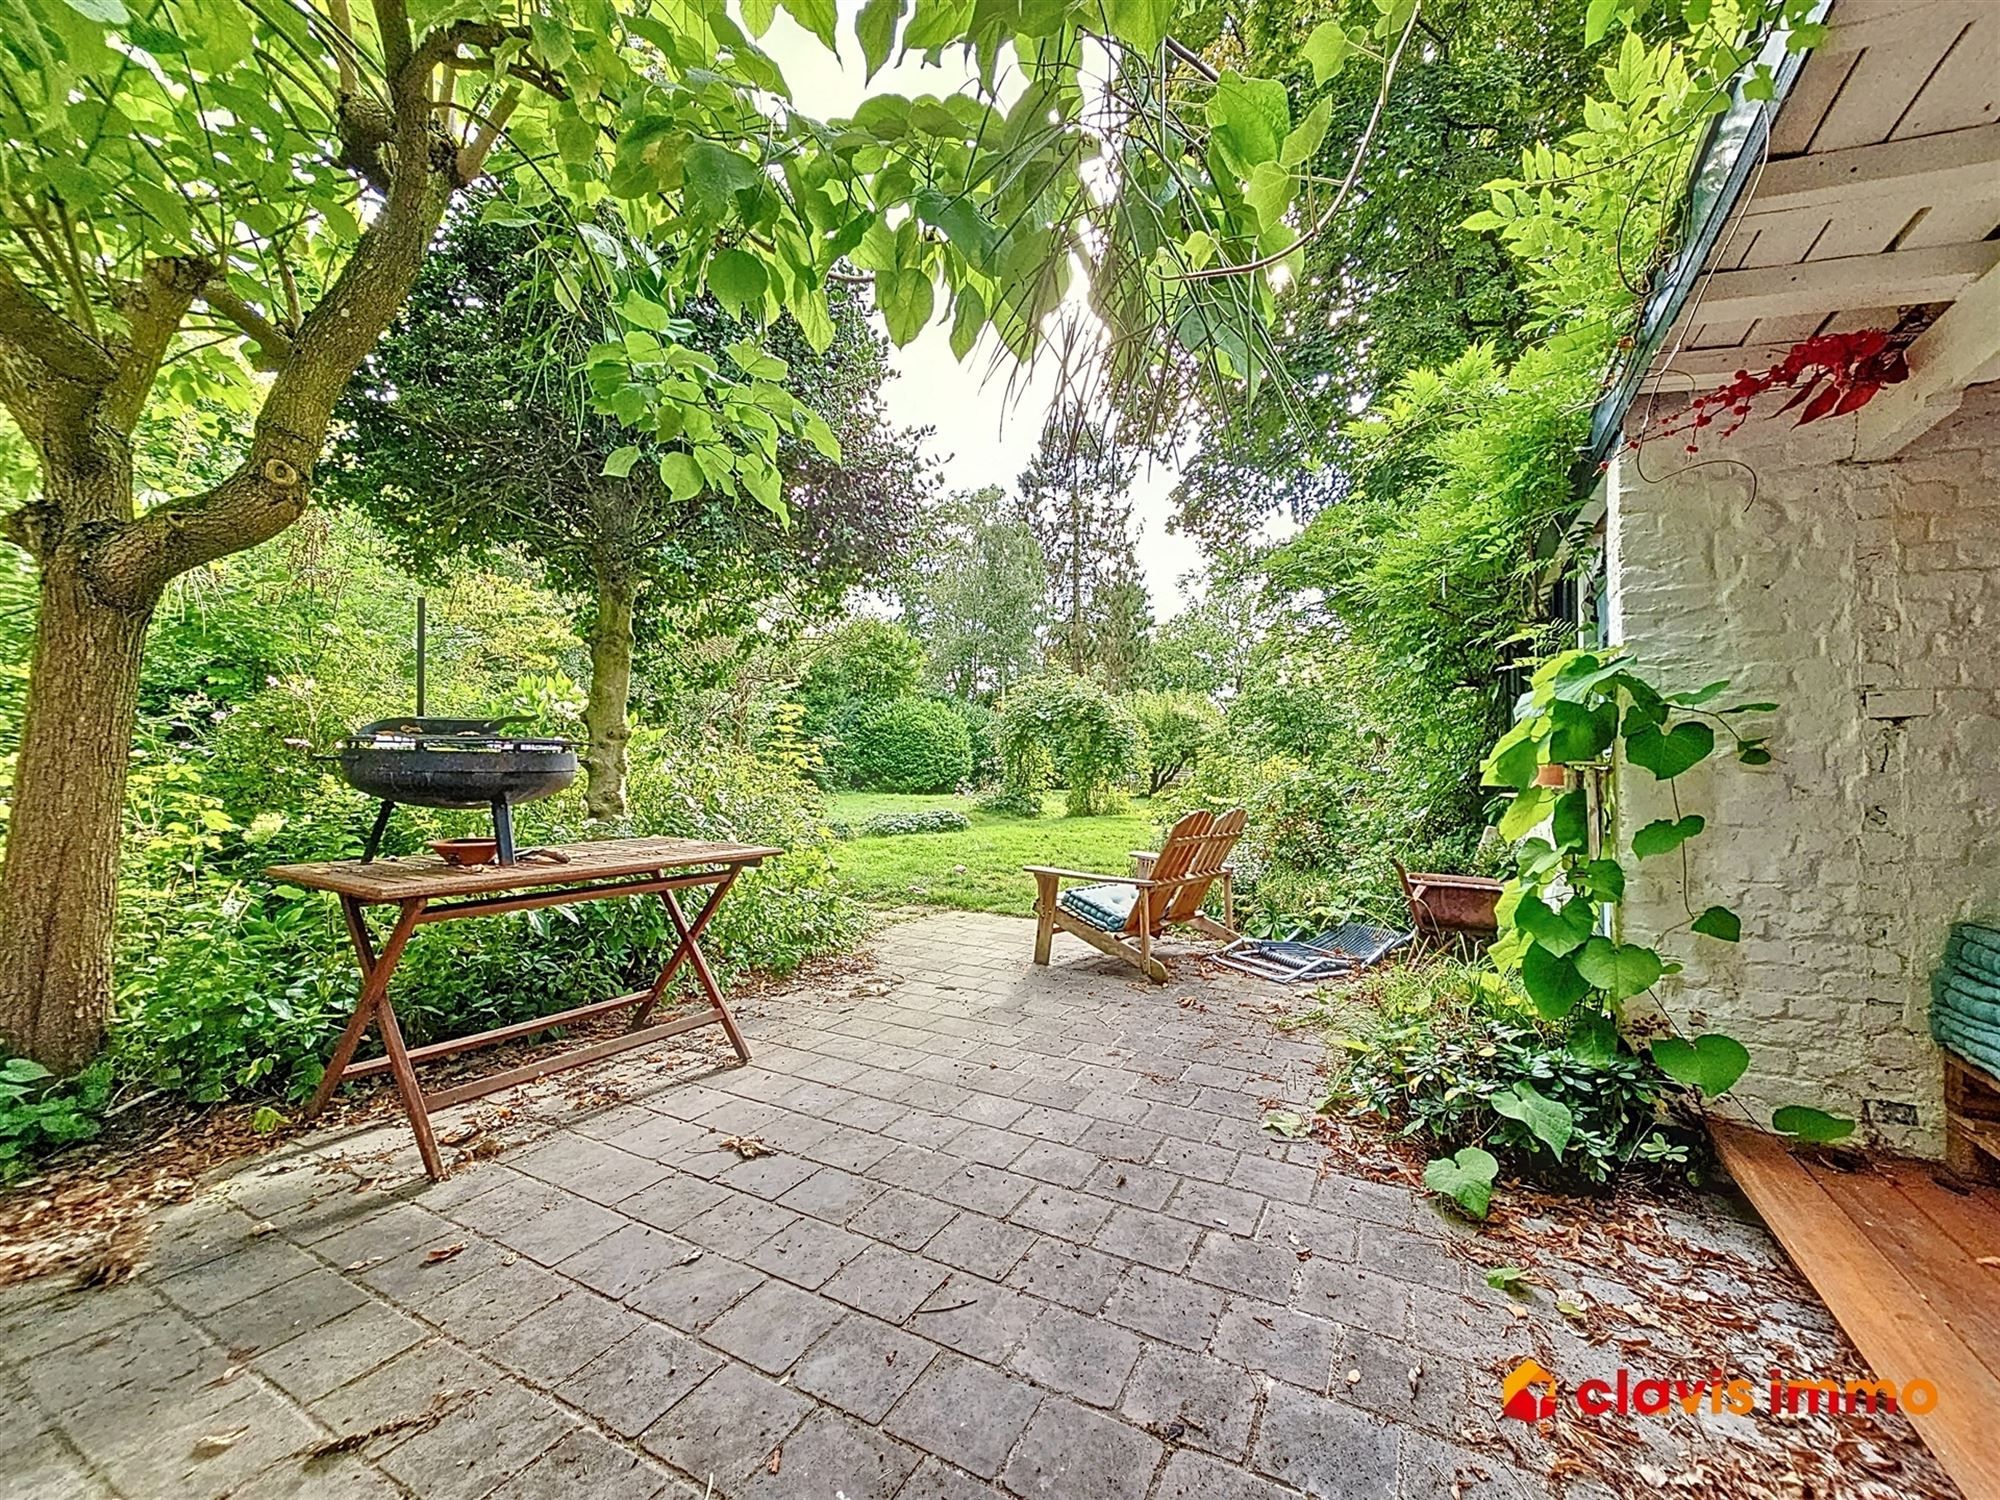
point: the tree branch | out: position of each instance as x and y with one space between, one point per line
153 309
45 336
274 345
472 155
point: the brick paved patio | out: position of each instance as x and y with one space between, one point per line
1021 1235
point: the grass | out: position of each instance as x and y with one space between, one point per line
978 868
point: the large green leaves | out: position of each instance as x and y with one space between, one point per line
1814 1127
875 29
1548 1120
1621 970
1711 1062
1666 834
1466 1178
1668 754
1552 982
1249 119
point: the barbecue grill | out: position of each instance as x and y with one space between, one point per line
431 762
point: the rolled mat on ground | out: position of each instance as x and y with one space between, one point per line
1965 995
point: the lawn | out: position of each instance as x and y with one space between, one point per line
978 868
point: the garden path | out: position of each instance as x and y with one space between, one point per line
1021 1233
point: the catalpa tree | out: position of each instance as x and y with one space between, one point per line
235 196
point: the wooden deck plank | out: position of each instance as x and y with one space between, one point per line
1971 1219
1896 1330
428 876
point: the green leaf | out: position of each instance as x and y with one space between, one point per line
1711 1062
1753 753
643 312
1466 1179
1667 755
1720 922
681 475
1142 23
23 1070
906 299
714 174
1303 143
738 280
758 15
1289 1124
618 462
1559 932
1569 821
875 29
1665 834
1514 760
266 1119
1511 1279
1814 1126
1548 1120
1581 733
104 12
1593 1039
817 16
1605 879
1327 49
1523 813
1552 982
1597 19
1250 117
1622 970
1708 692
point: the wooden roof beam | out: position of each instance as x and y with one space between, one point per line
1960 348
1895 278
1925 168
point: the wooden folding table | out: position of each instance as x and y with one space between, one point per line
425 889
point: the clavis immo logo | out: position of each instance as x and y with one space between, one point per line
1529 1393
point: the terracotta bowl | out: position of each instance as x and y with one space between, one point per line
465 851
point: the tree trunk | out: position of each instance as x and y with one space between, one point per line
59 879
610 690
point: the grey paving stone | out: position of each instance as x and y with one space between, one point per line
344 1477
982 1189
1325 1447
885 1281
168 1456
1192 1399
773 1326
554 1342
1360 1299
33 1327
1132 1144
849 1150
632 1383
769 1176
584 1466
1087 1358
1062 1212
433 1374
985 1143
1198 1159
1409 1256
216 1284
964 1413
1432 1468
1216 1207
726 1426
1152 1239
117 1367
477 1444
284 1311
1196 1476
1142 1187
1277 1341
694 1294
976 1317
1071 1450
937 1480
992 1109
738 1225
1053 1162
480 1310
672 1201
832 1194
1279 1181
1070 1274
1252 1267
833 1455
863 1366
625 1260
1406 1384
412 1277
351 1345
904 1219
643 1132
985 1247
47 1468
592 1168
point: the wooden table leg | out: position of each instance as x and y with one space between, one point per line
376 972
701 969
687 946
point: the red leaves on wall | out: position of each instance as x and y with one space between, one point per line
1829 375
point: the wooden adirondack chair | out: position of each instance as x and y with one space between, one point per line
1122 914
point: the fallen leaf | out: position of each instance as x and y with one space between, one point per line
261 1228
1989 1260
749 1147
691 1257
777 1460
1354 1377
443 1253
210 1444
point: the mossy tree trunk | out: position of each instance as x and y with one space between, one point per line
605 710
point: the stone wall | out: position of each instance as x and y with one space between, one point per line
1865 599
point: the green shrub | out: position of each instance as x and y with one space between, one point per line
905 745
929 820
981 726
39 1112
1072 728
863 661
1180 729
1456 1056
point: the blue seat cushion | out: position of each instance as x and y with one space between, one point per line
1105 907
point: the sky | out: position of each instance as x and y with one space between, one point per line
986 425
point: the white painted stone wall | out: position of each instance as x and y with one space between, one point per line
1865 599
